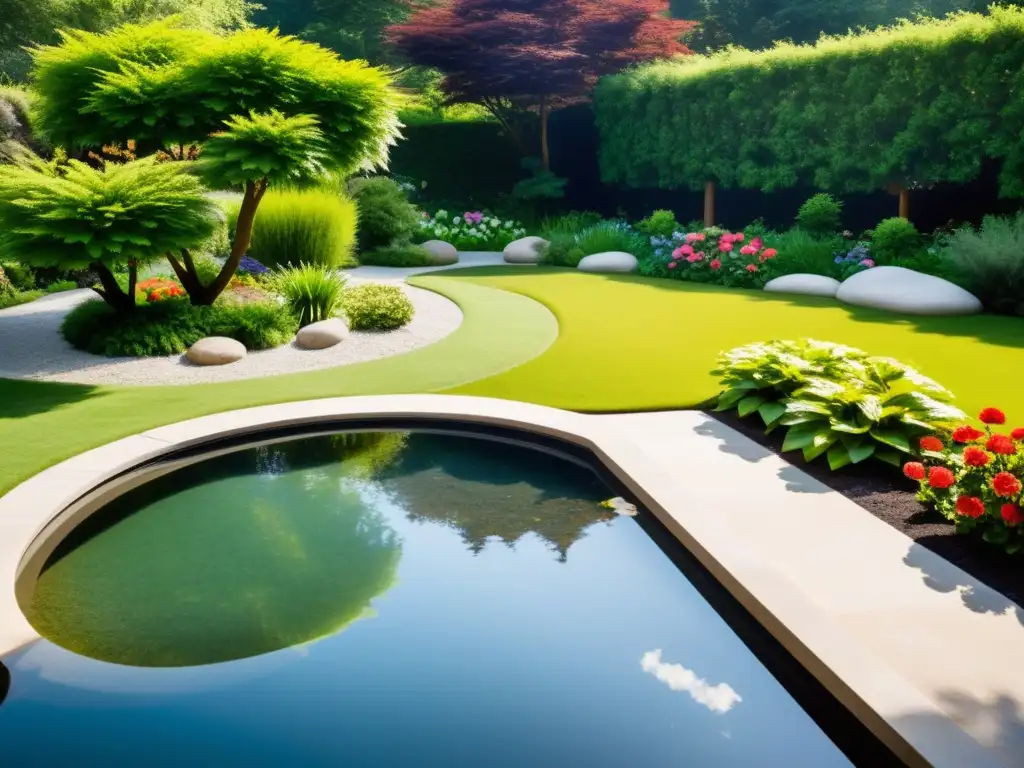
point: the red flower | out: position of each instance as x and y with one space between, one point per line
932 444
940 477
1018 433
751 267
1011 514
970 506
967 434
715 264
770 253
992 416
1001 444
914 470
975 457
1005 484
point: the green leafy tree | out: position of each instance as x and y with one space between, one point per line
84 217
266 109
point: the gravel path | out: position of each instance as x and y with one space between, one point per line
31 346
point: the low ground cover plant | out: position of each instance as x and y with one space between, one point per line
396 255
974 477
469 231
835 401
373 307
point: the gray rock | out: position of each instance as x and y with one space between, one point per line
526 250
441 253
215 350
807 285
903 290
322 335
611 261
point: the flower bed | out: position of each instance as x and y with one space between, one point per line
711 256
470 231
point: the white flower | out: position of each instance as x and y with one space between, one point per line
509 225
494 222
456 219
442 214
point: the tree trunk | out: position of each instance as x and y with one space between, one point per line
904 203
545 150
111 292
186 275
254 191
709 204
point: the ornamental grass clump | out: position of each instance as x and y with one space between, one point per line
313 292
974 478
835 401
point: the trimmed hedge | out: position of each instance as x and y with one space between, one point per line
911 104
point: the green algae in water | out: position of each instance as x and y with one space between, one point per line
241 555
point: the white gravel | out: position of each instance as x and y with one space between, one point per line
31 346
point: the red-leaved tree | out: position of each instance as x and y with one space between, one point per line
515 55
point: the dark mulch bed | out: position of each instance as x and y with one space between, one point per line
885 493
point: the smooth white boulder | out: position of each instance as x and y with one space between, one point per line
441 253
323 334
526 250
611 261
806 285
215 350
898 289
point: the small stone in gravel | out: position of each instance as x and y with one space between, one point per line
215 350
323 334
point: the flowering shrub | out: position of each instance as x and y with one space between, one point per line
158 289
857 259
834 400
250 266
710 256
976 481
470 231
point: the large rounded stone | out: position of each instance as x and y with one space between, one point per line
612 261
807 285
215 350
526 250
322 335
441 253
903 290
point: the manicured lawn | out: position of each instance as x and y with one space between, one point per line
43 423
624 343
632 343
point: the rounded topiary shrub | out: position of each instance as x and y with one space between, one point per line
385 214
820 215
895 239
374 307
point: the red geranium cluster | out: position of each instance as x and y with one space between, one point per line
159 288
977 480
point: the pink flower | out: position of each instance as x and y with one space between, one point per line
677 253
738 237
693 236
694 257
724 246
672 265
700 237
867 263
758 243
751 267
687 250
715 264
748 250
727 237
770 253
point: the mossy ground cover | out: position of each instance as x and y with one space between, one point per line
623 343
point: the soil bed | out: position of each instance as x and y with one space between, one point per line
885 493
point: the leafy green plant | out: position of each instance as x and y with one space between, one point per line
611 236
659 224
835 401
397 255
802 253
130 213
16 298
313 292
61 285
373 307
989 262
541 184
895 239
20 276
385 214
571 223
305 226
6 286
170 327
207 268
562 251
820 215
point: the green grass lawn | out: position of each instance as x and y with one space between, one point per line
624 343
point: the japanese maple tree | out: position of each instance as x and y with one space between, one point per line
514 55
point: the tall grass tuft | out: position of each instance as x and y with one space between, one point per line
990 262
313 292
610 236
304 226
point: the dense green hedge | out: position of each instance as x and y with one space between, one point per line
463 163
913 104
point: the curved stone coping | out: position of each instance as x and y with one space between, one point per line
826 578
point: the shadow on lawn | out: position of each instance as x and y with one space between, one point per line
20 398
992 329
